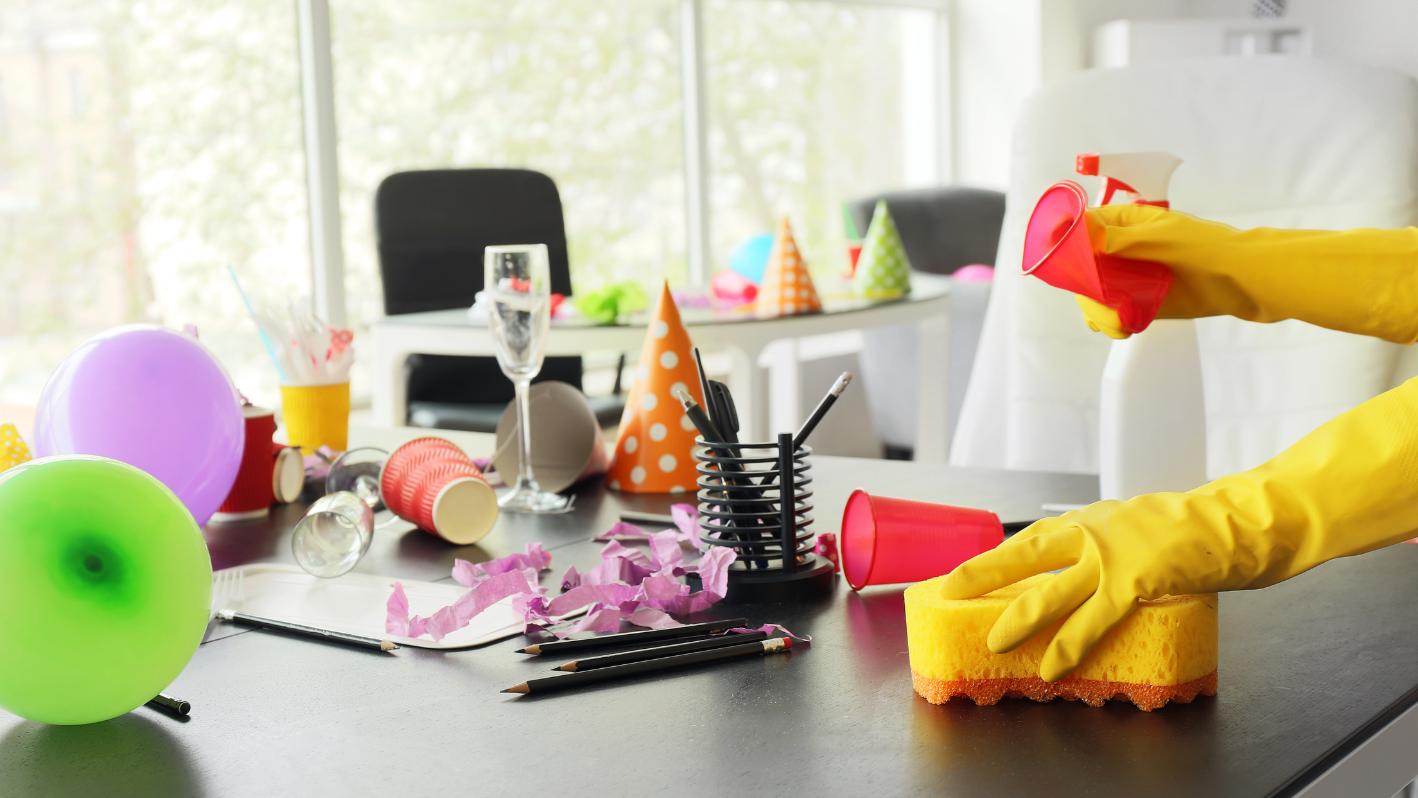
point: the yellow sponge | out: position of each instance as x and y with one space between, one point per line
1164 651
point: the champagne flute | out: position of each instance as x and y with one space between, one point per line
517 285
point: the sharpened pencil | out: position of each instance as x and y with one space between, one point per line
632 638
307 631
640 654
572 680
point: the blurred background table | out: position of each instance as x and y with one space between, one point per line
452 332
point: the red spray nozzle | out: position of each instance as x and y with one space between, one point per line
1086 163
1058 250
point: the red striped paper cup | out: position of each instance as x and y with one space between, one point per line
397 468
454 502
251 495
406 500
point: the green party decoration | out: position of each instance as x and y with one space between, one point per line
612 302
884 271
105 588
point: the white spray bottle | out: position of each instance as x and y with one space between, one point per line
1151 409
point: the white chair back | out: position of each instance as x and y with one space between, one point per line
1276 141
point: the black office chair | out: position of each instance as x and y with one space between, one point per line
431 227
942 229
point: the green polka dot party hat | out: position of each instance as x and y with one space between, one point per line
883 272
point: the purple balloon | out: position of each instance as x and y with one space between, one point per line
152 398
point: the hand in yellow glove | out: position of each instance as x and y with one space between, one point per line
1349 487
1360 281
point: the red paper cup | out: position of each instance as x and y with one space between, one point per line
251 495
454 502
405 503
397 468
888 541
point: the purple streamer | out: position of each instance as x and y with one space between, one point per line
626 585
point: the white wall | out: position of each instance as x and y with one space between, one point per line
995 66
1003 50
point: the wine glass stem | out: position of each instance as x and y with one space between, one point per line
524 416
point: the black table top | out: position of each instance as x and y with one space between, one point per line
1309 668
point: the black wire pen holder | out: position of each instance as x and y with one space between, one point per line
745 504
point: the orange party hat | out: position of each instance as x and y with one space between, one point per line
12 447
787 288
654 451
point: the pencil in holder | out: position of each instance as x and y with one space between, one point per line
317 415
756 498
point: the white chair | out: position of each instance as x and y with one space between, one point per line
1275 141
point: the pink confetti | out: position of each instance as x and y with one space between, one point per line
467 574
456 615
626 585
826 547
770 628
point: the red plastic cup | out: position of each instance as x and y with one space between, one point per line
888 541
453 501
1058 251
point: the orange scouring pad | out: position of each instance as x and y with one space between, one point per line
1164 651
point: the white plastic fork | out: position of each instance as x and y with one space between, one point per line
228 590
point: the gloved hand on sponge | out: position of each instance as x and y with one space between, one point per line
1361 281
1349 487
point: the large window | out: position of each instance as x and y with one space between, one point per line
586 91
812 104
146 145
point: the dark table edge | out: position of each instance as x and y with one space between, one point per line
1356 739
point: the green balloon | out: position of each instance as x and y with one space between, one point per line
105 588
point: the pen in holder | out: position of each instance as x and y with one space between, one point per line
747 505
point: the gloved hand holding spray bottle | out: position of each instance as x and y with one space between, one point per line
1348 487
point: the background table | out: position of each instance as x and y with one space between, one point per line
451 332
1314 671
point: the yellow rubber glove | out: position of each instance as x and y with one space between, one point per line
1349 487
1359 281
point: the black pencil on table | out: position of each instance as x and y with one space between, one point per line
572 680
329 635
607 660
170 705
633 638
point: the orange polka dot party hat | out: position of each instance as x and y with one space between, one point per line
787 288
654 451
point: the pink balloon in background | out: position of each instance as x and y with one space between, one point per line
974 273
153 398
